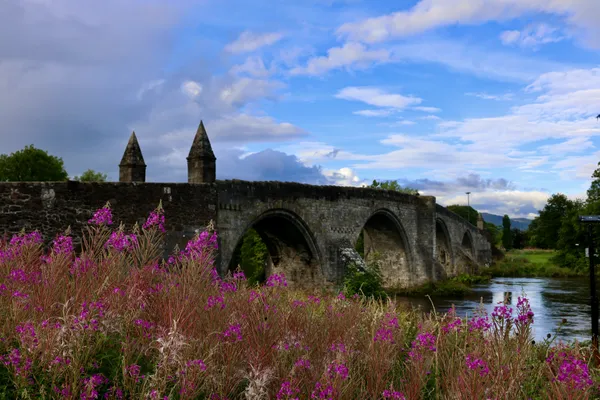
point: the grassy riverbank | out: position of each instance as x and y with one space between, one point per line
529 263
456 286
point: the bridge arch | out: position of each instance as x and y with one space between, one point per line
386 242
443 247
290 244
467 244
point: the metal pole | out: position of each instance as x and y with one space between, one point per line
468 207
593 297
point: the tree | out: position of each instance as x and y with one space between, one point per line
393 185
91 176
506 233
31 165
593 192
546 226
519 238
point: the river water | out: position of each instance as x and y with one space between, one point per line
551 299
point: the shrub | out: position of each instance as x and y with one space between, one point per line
366 282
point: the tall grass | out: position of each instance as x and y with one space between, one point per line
113 322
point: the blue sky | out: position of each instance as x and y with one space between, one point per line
495 97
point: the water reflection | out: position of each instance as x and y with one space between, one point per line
552 300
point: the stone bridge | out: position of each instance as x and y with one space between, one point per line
310 231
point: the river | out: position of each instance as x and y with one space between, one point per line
551 299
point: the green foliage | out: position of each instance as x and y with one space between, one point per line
91 176
466 212
545 228
251 256
494 231
31 165
368 283
393 185
360 244
531 263
593 193
519 238
456 286
506 233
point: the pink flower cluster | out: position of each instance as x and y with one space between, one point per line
120 241
392 394
156 218
337 369
477 364
63 245
479 324
423 341
502 312
232 334
276 280
571 371
386 332
102 216
525 314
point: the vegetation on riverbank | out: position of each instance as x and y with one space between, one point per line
455 286
114 322
530 263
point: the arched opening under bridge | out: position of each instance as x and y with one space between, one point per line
443 249
382 242
277 242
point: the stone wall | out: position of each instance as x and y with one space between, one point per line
52 206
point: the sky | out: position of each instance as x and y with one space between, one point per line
494 97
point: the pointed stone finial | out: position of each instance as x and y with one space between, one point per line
201 159
480 224
132 167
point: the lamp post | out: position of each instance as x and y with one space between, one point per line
592 219
469 206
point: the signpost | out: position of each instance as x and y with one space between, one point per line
590 220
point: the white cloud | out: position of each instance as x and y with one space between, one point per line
473 59
344 177
191 88
515 203
384 112
350 54
253 66
566 81
247 89
154 85
487 96
246 128
431 117
532 36
427 109
249 41
377 97
574 145
430 14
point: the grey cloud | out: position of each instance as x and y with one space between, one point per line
469 182
266 165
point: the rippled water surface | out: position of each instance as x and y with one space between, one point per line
551 299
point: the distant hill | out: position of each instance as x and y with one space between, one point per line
519 223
